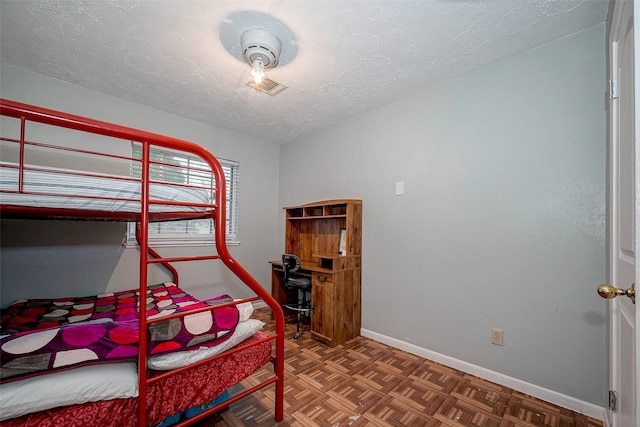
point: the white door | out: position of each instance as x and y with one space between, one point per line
624 236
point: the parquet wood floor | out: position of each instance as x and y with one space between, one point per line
366 383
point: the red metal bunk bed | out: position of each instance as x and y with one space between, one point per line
148 205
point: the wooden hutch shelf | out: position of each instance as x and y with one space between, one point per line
314 232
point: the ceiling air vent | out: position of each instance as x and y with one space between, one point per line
268 86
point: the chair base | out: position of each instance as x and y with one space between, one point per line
299 309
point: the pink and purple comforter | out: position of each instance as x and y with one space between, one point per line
52 334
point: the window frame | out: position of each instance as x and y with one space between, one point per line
231 169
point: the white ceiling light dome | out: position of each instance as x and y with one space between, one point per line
261 50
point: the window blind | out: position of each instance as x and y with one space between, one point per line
176 167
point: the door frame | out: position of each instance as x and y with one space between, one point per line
615 14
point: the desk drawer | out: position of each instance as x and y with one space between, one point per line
321 279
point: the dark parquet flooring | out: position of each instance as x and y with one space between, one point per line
366 383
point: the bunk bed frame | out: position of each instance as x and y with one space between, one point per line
145 213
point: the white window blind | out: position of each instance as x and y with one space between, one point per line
191 171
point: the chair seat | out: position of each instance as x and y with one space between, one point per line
298 282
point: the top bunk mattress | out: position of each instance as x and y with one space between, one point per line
54 188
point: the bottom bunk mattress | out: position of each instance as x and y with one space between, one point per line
72 361
169 396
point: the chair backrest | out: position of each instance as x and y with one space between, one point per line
290 263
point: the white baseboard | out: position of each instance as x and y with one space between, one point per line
547 395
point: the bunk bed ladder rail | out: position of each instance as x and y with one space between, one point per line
218 216
143 227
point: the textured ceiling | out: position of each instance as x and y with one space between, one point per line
339 58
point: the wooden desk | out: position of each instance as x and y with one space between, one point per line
327 237
335 297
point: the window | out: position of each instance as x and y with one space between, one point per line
193 171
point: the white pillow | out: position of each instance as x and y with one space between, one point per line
165 362
80 385
246 310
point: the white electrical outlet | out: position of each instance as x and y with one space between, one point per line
497 336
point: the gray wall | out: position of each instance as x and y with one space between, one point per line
45 258
502 224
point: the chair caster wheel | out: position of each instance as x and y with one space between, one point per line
296 336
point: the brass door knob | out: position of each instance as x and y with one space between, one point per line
608 292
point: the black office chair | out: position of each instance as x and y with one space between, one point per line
302 285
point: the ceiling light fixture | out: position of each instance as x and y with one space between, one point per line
261 50
257 70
